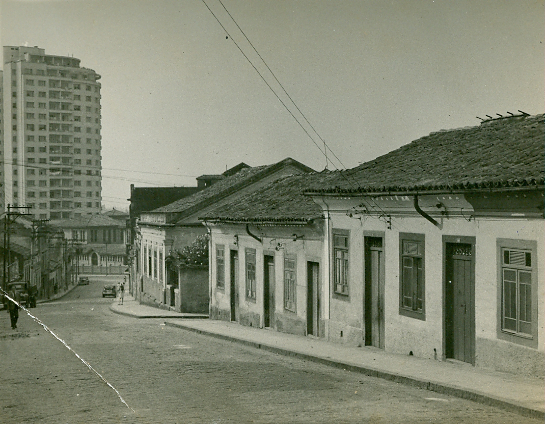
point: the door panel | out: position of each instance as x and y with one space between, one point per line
234 284
268 291
374 292
459 309
313 298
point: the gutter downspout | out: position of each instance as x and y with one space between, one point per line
252 235
209 230
425 215
327 266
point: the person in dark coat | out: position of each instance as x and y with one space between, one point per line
13 308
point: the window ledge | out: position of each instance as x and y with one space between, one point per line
412 314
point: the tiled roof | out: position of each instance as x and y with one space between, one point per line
88 221
508 152
226 187
280 202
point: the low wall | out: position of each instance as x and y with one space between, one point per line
193 290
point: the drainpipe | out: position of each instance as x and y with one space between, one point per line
327 266
209 230
252 235
424 214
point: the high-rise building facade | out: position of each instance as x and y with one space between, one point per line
50 134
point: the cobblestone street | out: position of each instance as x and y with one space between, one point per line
168 375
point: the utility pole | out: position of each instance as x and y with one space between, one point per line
11 215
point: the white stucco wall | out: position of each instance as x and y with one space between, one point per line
405 334
279 243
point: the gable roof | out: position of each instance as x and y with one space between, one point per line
88 221
225 187
507 152
280 202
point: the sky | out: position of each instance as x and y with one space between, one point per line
182 96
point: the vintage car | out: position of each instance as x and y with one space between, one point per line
83 281
27 293
109 291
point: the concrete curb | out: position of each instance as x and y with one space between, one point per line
133 315
442 388
58 296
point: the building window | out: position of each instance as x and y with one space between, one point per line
220 266
411 287
340 261
250 273
518 299
289 284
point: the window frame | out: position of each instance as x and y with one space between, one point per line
338 275
413 311
290 284
530 246
250 287
220 266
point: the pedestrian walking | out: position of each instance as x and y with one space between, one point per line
121 293
13 307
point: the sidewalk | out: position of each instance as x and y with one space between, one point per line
514 393
134 309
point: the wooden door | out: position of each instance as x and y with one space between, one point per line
374 292
313 298
234 284
268 291
459 303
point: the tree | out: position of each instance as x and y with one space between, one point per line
196 254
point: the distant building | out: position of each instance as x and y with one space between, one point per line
100 243
51 129
165 232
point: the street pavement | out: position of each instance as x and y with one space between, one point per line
510 392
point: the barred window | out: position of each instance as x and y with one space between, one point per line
412 275
220 266
250 273
340 261
289 285
516 271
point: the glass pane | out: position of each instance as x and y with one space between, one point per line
506 257
528 259
525 277
410 248
509 275
509 300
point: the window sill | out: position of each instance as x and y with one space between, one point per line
518 339
412 314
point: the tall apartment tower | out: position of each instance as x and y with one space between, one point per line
50 134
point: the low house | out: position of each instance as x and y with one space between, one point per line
437 249
266 261
171 228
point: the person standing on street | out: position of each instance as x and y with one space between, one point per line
121 292
13 307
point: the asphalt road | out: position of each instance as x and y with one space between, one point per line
168 375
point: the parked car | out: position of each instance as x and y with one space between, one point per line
109 291
83 281
27 293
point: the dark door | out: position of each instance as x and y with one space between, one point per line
374 292
459 302
313 298
268 291
233 284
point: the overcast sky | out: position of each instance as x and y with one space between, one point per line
179 97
